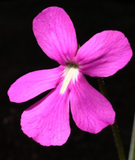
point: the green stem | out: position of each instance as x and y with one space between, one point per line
132 143
115 129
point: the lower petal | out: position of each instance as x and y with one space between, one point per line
47 121
34 83
91 111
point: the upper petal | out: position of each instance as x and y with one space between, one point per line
55 34
104 54
47 121
34 83
91 111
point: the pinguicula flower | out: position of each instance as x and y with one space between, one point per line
47 121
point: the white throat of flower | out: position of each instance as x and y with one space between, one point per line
70 73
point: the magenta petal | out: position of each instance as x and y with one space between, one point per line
55 34
47 121
91 111
104 54
33 84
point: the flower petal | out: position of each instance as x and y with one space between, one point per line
91 111
55 34
33 84
47 121
104 54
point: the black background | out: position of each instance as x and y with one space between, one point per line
20 54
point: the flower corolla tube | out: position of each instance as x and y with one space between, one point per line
47 121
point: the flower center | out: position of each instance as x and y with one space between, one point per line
70 73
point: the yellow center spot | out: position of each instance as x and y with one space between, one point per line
70 73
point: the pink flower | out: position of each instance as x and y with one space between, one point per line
47 121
